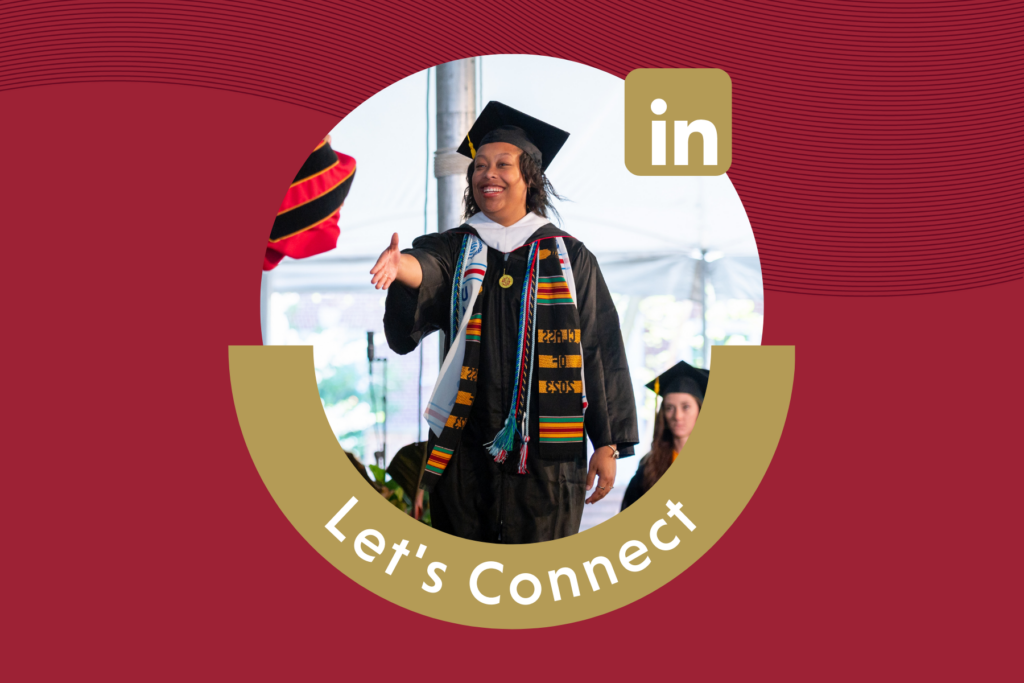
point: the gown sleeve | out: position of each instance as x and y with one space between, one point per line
636 485
412 314
611 407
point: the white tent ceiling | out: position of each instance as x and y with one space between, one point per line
645 231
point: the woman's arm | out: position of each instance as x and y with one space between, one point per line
419 290
610 419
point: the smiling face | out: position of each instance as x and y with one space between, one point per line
680 411
498 186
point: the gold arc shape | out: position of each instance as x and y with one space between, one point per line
308 475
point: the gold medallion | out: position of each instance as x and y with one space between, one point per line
505 281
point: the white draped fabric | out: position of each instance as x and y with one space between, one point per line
647 232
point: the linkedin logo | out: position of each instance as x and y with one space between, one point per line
678 122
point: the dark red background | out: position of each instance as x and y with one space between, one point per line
145 149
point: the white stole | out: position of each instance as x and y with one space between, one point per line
446 389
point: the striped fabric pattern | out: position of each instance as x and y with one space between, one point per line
307 220
555 429
473 328
317 192
474 273
438 459
553 291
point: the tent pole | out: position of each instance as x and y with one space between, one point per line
704 306
265 290
426 202
456 111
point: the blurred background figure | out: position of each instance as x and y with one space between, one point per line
682 390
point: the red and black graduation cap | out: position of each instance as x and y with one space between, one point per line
681 378
501 123
307 222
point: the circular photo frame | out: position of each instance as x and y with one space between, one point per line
296 448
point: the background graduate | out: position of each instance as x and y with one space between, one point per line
682 388
533 353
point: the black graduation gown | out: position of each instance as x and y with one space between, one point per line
477 498
636 487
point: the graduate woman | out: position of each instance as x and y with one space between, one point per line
534 357
682 388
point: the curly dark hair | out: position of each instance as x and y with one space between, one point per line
661 448
539 191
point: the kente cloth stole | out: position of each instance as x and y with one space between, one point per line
451 433
455 390
560 386
548 345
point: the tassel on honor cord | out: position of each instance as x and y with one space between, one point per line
523 450
505 439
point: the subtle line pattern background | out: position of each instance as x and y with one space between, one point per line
876 150
877 144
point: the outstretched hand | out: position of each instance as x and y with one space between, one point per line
385 271
602 466
417 506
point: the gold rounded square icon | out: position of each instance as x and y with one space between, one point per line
678 122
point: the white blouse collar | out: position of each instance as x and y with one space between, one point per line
497 236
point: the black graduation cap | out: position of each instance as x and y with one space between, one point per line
681 378
501 123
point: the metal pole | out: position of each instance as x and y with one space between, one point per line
456 111
426 201
704 305
265 290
